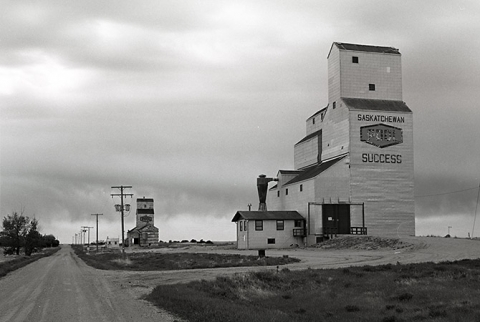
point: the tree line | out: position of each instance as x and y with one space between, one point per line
20 232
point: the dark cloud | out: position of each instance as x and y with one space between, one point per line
188 102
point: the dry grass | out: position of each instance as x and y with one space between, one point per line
21 261
174 261
417 292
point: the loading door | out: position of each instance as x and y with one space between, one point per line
336 218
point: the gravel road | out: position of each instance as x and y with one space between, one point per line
62 288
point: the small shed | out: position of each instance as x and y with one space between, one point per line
269 229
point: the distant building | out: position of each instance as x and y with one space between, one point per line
353 171
112 243
145 233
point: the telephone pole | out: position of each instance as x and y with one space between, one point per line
121 208
97 227
85 229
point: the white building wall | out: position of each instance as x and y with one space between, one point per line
255 239
306 153
333 75
386 188
383 70
335 135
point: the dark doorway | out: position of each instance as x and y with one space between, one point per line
136 241
336 218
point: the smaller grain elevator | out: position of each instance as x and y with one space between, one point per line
145 233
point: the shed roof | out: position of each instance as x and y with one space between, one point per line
308 137
365 48
267 215
145 199
376 105
314 171
145 211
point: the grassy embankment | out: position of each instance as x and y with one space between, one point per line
21 261
418 292
174 261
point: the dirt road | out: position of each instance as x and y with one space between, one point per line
423 249
62 288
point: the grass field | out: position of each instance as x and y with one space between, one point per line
20 261
447 291
174 261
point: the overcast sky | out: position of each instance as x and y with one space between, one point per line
189 101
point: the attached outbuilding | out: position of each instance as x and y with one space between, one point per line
269 229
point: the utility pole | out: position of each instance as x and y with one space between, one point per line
97 227
85 229
476 208
121 208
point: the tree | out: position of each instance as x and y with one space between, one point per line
19 231
14 231
49 241
33 238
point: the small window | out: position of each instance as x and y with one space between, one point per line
371 87
298 223
286 192
313 120
355 59
301 187
258 224
270 240
280 225
245 225
334 105
278 193
241 225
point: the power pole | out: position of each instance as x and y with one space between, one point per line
85 229
121 208
97 227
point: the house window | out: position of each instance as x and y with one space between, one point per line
280 225
334 105
371 87
278 193
245 225
286 192
270 240
298 223
313 120
301 187
258 224
241 225
355 59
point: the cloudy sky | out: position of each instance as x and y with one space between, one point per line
188 101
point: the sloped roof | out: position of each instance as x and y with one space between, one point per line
366 48
323 109
314 171
145 211
267 215
311 135
376 105
147 227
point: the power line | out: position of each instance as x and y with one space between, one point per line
446 193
